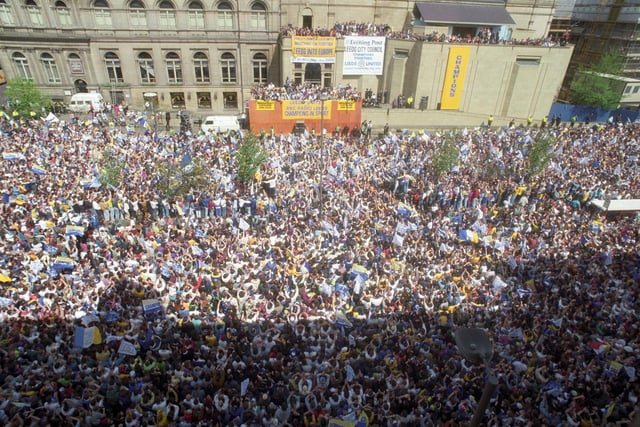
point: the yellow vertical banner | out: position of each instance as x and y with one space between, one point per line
454 77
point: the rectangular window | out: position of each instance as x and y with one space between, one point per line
174 71
204 100
202 70
51 70
230 100
225 19
258 20
23 68
35 15
103 18
401 54
138 18
6 18
196 19
635 89
297 78
228 70
167 19
147 73
628 89
64 16
177 100
528 60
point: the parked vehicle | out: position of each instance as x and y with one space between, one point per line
219 124
82 102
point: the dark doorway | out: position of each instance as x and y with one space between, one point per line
80 86
313 74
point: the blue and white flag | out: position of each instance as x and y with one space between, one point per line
127 348
405 209
151 306
85 337
112 316
343 290
38 170
63 263
342 320
13 156
74 230
359 270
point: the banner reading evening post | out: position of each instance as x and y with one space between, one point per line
363 56
454 77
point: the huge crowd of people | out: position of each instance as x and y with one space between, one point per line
328 287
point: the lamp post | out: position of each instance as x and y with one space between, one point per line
475 346
323 98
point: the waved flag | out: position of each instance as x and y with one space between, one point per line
127 348
151 305
38 170
342 320
468 236
405 209
359 270
74 230
12 156
85 337
64 263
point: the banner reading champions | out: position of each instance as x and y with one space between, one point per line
320 50
454 77
363 55
301 110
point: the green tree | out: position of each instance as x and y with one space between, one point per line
178 179
111 171
593 88
25 97
250 155
540 153
444 157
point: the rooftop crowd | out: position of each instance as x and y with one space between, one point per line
483 35
275 303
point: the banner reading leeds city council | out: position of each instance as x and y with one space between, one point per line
305 110
320 50
363 55
454 77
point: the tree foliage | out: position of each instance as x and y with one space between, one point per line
445 157
26 98
178 179
593 89
249 156
540 153
111 172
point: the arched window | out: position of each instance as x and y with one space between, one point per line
6 17
22 65
102 13
145 65
196 15
114 69
258 16
201 67
259 68
225 16
50 68
137 14
174 67
63 14
167 15
35 14
228 65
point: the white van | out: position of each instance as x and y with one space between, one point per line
216 124
81 102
